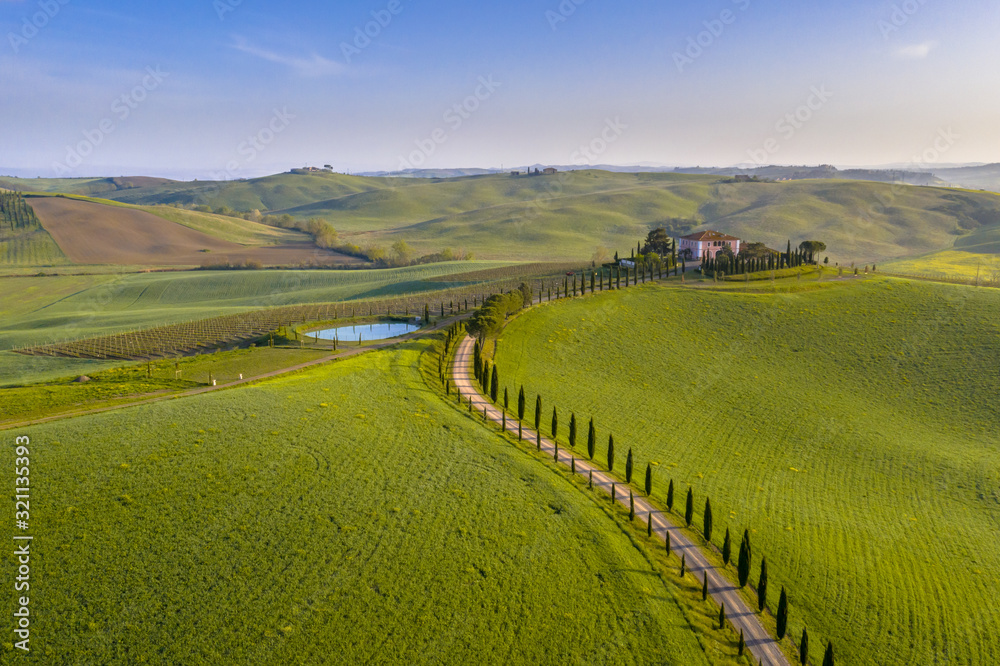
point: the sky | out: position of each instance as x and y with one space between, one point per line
242 88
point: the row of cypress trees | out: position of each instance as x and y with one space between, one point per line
15 212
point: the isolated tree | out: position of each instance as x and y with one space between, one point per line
572 430
727 549
804 647
649 479
538 413
782 617
689 508
591 439
611 453
746 556
670 496
494 385
762 586
708 520
704 588
828 657
628 467
555 424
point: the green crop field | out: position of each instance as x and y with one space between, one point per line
569 215
49 309
23 241
852 429
346 513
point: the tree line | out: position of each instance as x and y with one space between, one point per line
15 212
487 375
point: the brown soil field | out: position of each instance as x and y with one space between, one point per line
91 233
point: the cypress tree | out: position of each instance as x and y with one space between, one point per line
631 506
743 566
742 644
485 379
649 479
494 385
667 539
572 430
689 509
592 282
727 549
804 647
649 524
506 402
708 520
555 424
828 657
683 564
538 413
628 467
782 618
670 496
520 405
591 439
704 588
611 453
762 586
722 617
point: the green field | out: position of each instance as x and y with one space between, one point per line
343 515
851 428
569 215
49 309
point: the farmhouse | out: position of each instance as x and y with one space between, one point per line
706 243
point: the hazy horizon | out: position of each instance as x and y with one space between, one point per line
228 90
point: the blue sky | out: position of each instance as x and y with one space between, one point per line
231 88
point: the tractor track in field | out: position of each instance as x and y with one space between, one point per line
761 644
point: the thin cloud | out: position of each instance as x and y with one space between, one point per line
313 67
915 51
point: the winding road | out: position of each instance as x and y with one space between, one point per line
760 643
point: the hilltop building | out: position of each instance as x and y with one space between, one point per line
706 243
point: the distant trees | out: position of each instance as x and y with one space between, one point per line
782 617
689 508
746 557
811 248
708 520
762 586
591 439
658 241
489 319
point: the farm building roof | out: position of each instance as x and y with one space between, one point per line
709 236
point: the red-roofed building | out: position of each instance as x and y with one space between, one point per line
706 243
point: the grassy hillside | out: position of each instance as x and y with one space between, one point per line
852 429
345 515
236 230
56 308
568 215
23 240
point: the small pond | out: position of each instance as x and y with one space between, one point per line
367 332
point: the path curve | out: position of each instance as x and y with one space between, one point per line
761 644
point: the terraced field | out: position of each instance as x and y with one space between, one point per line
345 511
852 429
